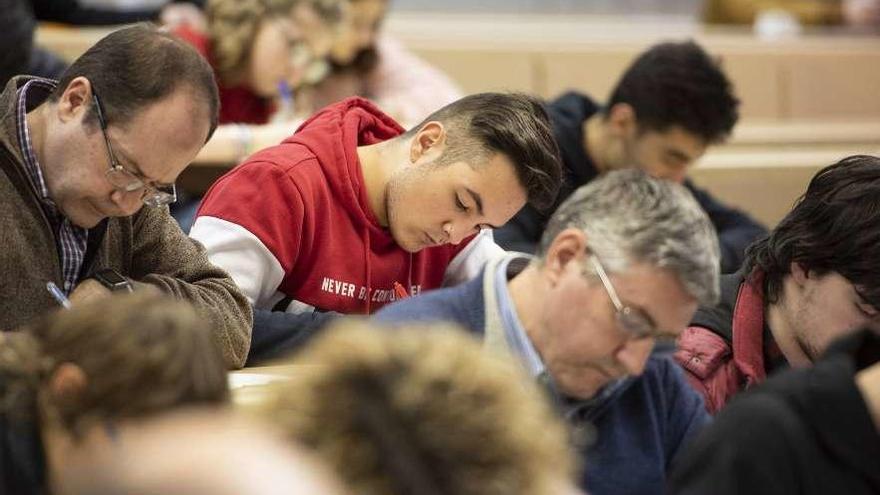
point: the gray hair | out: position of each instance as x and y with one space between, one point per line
630 217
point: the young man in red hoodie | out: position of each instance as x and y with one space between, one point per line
813 279
352 212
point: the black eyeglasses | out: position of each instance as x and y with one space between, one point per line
126 180
634 321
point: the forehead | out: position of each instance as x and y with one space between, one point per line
659 292
163 137
675 138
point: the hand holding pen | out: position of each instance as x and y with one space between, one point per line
58 295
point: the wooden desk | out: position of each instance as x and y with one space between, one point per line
248 385
69 42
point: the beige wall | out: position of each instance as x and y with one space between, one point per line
806 102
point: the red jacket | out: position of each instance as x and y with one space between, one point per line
238 104
294 221
722 351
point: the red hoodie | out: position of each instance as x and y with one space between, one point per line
294 220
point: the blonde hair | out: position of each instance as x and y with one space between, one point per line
233 26
420 410
141 353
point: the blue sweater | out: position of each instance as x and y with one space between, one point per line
639 430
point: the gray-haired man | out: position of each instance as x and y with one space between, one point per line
624 262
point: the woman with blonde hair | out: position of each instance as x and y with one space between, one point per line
262 49
419 410
68 382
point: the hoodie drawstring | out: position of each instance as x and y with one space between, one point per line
368 274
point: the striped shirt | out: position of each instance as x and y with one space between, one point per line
72 240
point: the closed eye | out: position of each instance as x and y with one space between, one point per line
460 205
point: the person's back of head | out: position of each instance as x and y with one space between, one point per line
137 66
126 357
514 125
420 410
221 454
679 85
834 227
629 217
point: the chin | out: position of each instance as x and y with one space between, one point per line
85 217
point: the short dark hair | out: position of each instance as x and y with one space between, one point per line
513 124
834 227
139 65
678 84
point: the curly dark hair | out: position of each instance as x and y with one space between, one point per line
678 84
834 227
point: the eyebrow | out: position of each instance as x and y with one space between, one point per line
479 202
137 170
678 155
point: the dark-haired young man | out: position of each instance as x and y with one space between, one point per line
351 212
813 279
669 106
81 157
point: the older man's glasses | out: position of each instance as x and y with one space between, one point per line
127 181
634 321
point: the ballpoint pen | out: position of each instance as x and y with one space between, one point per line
58 295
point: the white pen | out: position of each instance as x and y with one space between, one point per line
58 295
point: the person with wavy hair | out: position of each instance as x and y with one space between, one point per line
258 47
419 410
71 380
811 280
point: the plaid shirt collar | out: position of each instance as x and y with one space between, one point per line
72 240
32 164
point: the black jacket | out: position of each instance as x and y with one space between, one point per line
805 431
22 460
71 12
736 230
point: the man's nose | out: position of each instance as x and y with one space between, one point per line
633 355
457 233
128 202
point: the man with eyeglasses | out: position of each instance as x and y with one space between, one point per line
623 263
89 165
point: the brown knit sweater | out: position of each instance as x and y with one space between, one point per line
147 247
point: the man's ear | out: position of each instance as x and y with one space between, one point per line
428 143
569 246
68 382
798 274
621 120
75 100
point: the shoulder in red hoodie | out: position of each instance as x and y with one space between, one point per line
294 222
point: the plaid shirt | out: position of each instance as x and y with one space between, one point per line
72 240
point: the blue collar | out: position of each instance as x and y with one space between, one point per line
517 339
